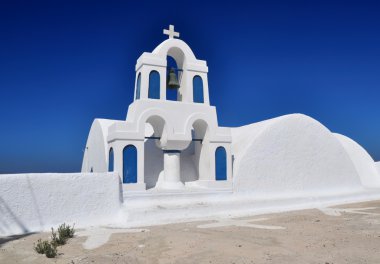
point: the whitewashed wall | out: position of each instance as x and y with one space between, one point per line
35 202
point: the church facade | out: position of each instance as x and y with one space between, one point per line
170 139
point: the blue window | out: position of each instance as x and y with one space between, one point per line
110 160
220 164
198 89
138 85
130 164
154 85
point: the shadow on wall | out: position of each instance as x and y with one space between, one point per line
4 226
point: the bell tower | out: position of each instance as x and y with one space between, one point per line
173 144
154 75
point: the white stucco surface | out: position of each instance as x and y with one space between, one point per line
378 167
34 202
95 157
363 162
288 154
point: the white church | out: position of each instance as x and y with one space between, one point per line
170 138
169 161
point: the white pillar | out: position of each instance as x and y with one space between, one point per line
172 170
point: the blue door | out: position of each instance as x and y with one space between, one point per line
154 85
220 164
198 90
130 164
110 160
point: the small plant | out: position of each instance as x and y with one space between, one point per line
57 239
64 233
51 251
41 246
47 248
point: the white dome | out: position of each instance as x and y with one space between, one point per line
292 153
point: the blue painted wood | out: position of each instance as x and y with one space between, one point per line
198 89
110 160
130 164
138 86
154 85
220 164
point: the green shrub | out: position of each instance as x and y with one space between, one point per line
50 248
41 246
51 251
64 233
57 240
47 248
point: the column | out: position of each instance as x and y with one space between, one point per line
172 170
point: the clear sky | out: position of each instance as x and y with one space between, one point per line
64 63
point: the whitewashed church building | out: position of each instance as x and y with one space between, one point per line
170 161
170 138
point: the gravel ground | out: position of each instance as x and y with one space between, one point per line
344 234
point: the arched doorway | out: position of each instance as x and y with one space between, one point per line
130 164
220 164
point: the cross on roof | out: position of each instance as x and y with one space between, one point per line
171 33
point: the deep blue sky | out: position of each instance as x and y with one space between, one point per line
64 63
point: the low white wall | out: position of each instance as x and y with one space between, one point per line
35 202
378 167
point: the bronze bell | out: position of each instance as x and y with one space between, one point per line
172 82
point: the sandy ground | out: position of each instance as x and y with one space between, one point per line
343 234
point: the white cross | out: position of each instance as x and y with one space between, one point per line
171 33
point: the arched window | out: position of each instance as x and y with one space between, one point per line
130 164
220 164
110 160
154 85
138 85
198 89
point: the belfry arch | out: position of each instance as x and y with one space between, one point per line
154 132
200 138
